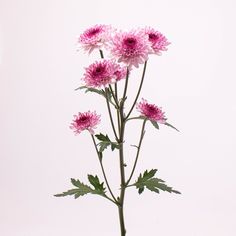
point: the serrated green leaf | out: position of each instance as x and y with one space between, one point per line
103 146
94 180
102 137
155 124
97 91
153 184
80 191
105 142
171 126
114 146
83 189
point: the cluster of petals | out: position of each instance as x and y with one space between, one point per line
158 41
85 121
102 73
95 37
151 111
131 48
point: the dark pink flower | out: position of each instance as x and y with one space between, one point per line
85 121
151 111
95 37
102 73
158 41
131 48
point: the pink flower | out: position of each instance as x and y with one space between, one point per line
132 47
85 121
103 73
95 37
151 111
158 41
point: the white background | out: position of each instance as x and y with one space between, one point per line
194 82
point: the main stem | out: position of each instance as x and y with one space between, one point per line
122 175
122 164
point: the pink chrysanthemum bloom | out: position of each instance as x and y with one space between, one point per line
95 37
85 121
158 41
151 111
131 48
102 73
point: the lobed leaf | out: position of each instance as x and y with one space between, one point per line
146 180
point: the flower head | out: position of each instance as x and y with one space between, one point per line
95 37
151 111
85 121
131 48
103 73
158 41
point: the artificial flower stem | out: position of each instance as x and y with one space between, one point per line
110 115
139 90
104 173
138 150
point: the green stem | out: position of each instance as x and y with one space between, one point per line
110 115
122 168
139 90
104 173
101 53
117 110
137 154
125 90
114 97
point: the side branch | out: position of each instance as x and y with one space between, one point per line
137 154
139 90
103 171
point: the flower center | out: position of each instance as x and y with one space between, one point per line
99 70
153 37
130 42
93 32
82 119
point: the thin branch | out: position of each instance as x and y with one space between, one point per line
101 53
139 90
110 115
114 97
103 171
137 154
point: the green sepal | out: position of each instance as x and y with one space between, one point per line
167 124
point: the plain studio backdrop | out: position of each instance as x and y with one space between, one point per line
194 83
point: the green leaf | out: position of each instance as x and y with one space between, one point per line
153 184
171 126
105 142
97 91
81 190
102 137
94 180
154 123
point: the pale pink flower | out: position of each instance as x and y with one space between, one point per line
151 111
85 121
131 47
102 73
158 41
95 37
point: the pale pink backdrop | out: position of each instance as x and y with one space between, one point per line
194 82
